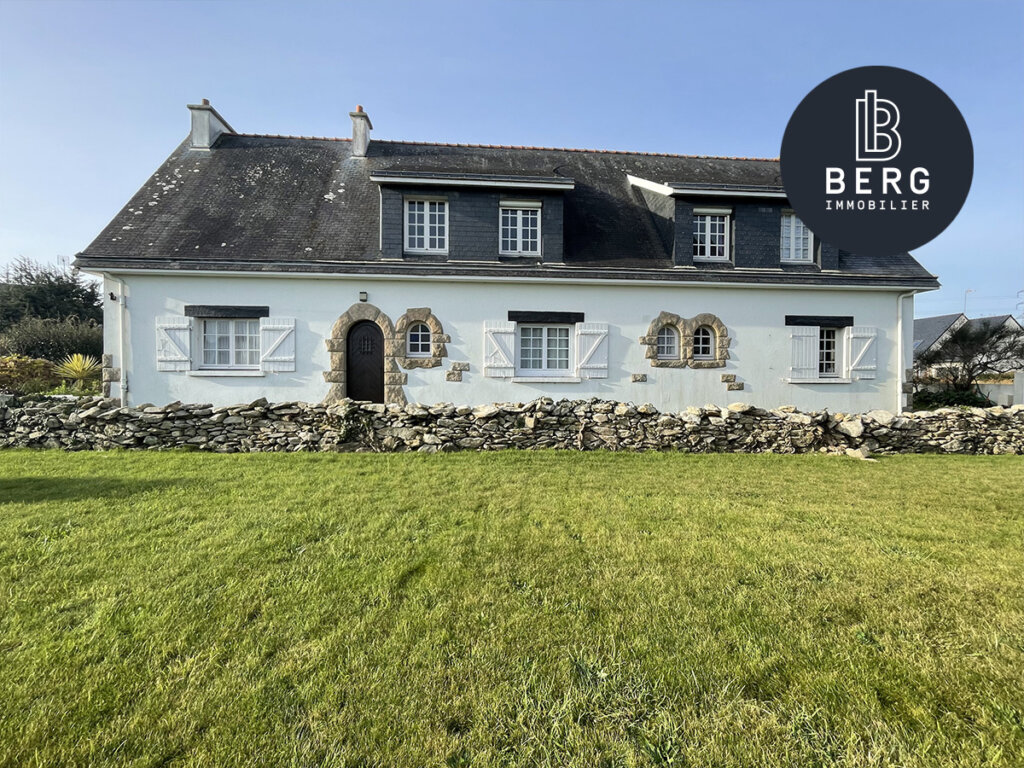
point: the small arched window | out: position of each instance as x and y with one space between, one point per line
668 343
418 340
703 343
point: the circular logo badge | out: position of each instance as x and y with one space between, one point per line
877 160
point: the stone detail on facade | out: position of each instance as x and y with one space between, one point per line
453 375
638 377
393 392
686 327
728 378
460 366
734 385
102 423
108 374
438 339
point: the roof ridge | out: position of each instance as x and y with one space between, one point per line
286 136
513 146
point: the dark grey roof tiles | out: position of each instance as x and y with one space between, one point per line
927 330
995 320
260 202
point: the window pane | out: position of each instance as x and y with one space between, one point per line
531 348
703 345
419 340
827 360
668 344
558 348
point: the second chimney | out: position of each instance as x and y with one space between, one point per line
207 125
361 127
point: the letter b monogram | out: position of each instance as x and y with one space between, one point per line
877 137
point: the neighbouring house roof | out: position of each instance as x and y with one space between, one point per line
928 330
270 203
995 320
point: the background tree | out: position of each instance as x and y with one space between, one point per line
49 311
971 351
54 292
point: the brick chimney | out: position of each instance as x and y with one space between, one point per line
361 127
207 125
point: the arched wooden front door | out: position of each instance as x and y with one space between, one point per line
364 354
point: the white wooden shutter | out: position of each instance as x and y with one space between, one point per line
804 360
863 352
592 350
277 343
173 343
499 349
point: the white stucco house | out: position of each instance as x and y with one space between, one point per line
312 269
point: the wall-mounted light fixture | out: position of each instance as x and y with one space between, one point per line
363 296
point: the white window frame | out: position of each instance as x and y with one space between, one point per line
712 341
790 255
232 350
545 370
409 352
519 207
838 345
707 214
676 341
426 224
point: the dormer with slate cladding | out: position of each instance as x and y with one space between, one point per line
473 225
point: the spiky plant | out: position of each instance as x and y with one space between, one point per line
78 369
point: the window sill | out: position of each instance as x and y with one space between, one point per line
712 261
424 252
546 379
225 372
820 381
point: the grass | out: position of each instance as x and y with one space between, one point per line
527 609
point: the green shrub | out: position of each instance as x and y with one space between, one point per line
78 389
21 375
52 339
78 369
926 400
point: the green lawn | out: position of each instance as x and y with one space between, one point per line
527 609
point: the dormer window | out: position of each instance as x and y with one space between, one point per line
520 228
426 225
711 234
796 240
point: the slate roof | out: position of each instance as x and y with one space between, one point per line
257 202
996 320
927 330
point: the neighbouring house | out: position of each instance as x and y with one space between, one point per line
931 332
314 269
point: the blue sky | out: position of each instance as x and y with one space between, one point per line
93 94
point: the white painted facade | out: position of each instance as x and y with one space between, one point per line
760 355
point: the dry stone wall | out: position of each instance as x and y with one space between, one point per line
99 424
